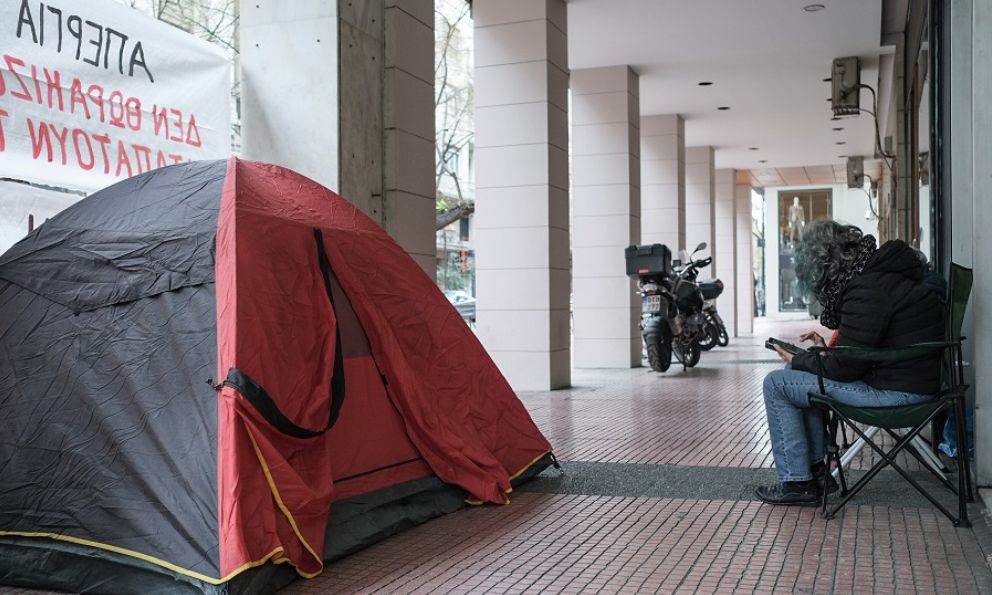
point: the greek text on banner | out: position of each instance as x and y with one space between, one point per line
92 92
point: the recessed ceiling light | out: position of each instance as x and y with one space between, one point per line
762 161
705 83
828 80
835 119
723 108
752 148
840 142
813 7
842 157
838 129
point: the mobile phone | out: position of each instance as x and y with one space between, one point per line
772 342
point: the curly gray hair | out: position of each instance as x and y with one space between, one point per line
826 251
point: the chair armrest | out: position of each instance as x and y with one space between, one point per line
888 354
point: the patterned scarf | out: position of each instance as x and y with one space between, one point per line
828 297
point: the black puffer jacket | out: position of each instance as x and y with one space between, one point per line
887 305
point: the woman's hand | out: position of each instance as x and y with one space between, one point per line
785 355
814 337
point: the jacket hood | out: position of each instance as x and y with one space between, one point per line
897 257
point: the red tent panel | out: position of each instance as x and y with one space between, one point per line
439 396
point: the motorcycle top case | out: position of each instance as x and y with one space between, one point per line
653 259
711 288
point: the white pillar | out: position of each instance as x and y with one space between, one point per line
281 80
743 262
521 219
605 215
723 246
699 199
663 181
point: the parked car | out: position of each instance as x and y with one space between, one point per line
463 302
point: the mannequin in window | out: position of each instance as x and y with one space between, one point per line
797 220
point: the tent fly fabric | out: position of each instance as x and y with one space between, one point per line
217 376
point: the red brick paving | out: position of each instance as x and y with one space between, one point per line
575 544
641 417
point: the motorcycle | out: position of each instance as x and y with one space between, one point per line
716 330
690 300
672 321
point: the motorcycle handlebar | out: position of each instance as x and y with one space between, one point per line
697 264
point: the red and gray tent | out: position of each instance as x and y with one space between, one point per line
218 367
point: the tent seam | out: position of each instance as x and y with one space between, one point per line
285 510
145 557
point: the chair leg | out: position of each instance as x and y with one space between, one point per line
921 457
888 459
827 444
964 458
830 452
964 473
841 478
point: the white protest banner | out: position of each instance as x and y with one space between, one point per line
92 92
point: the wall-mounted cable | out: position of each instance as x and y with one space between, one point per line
878 135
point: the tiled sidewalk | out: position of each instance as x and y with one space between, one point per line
657 499
594 544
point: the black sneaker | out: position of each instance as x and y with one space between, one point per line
802 493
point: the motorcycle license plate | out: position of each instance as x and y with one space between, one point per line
651 303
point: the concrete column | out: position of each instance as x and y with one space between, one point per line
408 136
360 94
902 220
606 215
723 246
663 181
521 218
743 262
699 199
981 296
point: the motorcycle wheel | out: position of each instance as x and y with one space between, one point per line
708 339
722 338
660 352
691 354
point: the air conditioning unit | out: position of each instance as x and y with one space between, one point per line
845 86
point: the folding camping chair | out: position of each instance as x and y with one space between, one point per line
914 417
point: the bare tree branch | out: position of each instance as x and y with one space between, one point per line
454 105
446 218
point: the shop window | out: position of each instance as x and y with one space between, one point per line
796 210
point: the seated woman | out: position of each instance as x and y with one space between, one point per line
876 298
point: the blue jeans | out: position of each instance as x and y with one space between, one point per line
796 428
